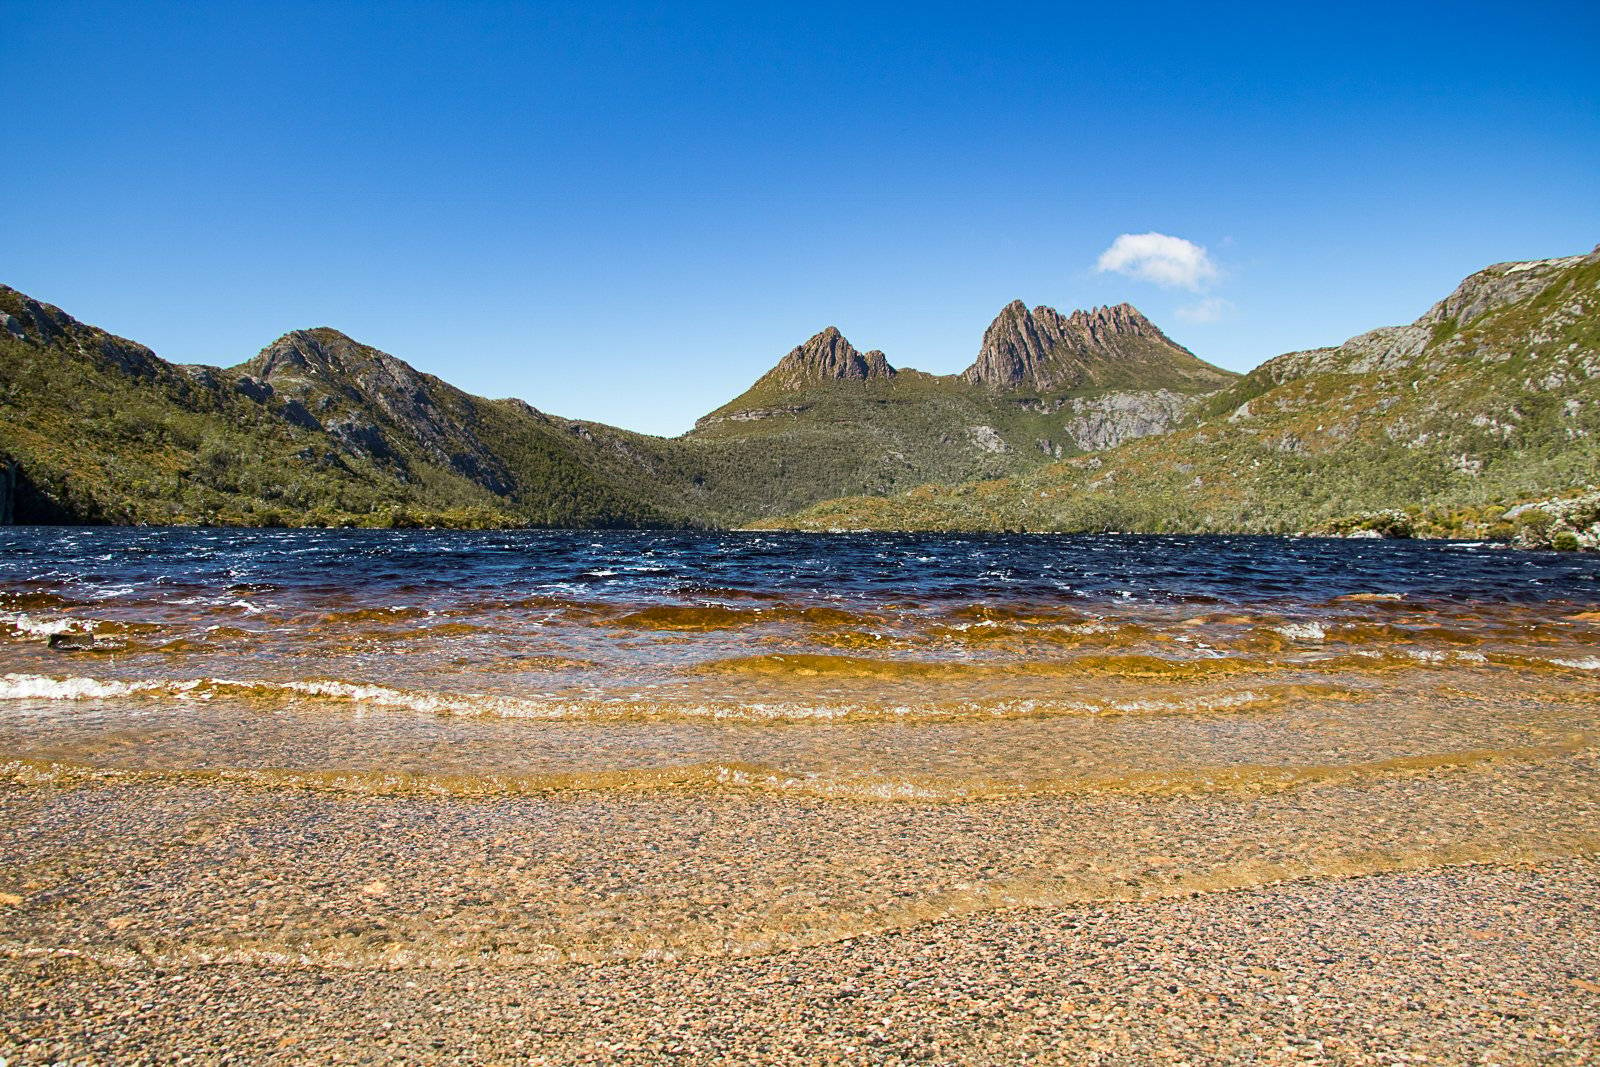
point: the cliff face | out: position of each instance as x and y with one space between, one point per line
1044 351
1106 421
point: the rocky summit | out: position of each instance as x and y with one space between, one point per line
1117 346
827 357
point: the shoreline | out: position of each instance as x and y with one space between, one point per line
1493 964
1506 543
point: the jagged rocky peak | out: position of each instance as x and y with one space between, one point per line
827 357
1111 320
1116 345
321 352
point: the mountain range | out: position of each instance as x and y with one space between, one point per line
1480 418
318 428
1092 420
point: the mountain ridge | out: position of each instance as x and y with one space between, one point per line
1487 401
315 428
1089 420
1042 349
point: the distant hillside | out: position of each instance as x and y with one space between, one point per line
1490 398
830 415
1089 421
319 428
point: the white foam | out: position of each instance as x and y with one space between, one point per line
1302 631
1429 655
36 627
40 687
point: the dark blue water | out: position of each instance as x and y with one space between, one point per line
106 563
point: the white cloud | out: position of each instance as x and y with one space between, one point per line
1211 309
1159 258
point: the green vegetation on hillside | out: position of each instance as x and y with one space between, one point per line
319 429
103 431
1450 423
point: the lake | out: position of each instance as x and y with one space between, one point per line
373 748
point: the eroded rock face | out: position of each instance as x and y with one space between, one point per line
1499 285
1101 422
751 415
988 439
1046 351
36 323
827 357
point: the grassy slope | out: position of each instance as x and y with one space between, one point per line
874 436
1497 409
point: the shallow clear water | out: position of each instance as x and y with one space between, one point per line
751 740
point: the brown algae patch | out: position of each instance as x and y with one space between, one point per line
811 665
702 618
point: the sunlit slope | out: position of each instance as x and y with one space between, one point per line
1489 398
321 429
1043 386
316 429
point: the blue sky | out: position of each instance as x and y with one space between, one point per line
628 212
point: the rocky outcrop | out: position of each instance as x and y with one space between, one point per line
1016 346
751 415
826 357
1394 347
1499 285
987 439
1105 421
1046 351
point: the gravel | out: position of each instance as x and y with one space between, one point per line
1492 965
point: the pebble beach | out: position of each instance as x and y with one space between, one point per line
1459 965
